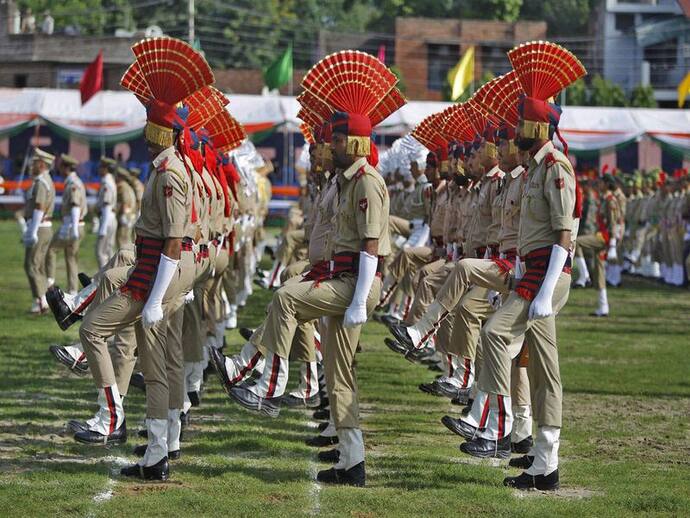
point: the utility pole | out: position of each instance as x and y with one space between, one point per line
190 20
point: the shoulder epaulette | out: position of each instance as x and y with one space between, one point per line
360 172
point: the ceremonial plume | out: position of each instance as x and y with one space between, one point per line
500 97
225 131
544 68
203 105
164 73
353 82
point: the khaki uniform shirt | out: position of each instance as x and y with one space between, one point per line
41 192
217 218
363 209
167 203
549 201
496 198
510 209
126 200
438 211
481 210
107 193
321 237
418 201
468 210
73 195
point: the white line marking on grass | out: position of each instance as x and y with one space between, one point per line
106 494
314 490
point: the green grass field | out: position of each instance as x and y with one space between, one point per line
625 447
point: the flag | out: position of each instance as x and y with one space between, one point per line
462 74
279 72
92 80
382 54
683 90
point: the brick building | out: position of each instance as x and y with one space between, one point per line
426 49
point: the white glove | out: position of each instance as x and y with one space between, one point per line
519 268
31 235
612 253
75 213
494 299
153 309
542 305
189 297
124 220
356 312
106 215
487 253
400 241
456 252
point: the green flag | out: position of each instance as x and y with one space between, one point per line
280 71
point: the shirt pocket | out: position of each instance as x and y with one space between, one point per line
536 203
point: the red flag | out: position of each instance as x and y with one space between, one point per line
382 54
92 81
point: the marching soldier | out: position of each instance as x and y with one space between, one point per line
105 207
166 232
38 211
73 211
125 208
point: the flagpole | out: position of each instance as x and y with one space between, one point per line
291 143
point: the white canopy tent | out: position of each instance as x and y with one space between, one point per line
117 116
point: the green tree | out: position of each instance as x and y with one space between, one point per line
563 17
643 97
606 93
576 94
90 16
401 80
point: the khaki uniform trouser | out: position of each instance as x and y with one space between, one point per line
123 236
501 331
290 243
71 248
230 278
105 245
429 280
305 301
596 246
194 315
399 226
407 263
35 262
212 299
519 384
294 269
123 345
302 347
477 276
470 313
676 244
160 357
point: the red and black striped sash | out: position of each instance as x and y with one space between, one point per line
141 279
536 264
507 263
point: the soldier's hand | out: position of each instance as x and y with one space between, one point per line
74 234
152 313
541 307
189 297
612 254
355 315
494 298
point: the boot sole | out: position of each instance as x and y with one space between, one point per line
488 455
109 442
269 412
456 431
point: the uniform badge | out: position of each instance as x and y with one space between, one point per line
560 183
363 204
168 191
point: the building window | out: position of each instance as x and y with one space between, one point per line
663 64
20 80
624 22
440 59
494 59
